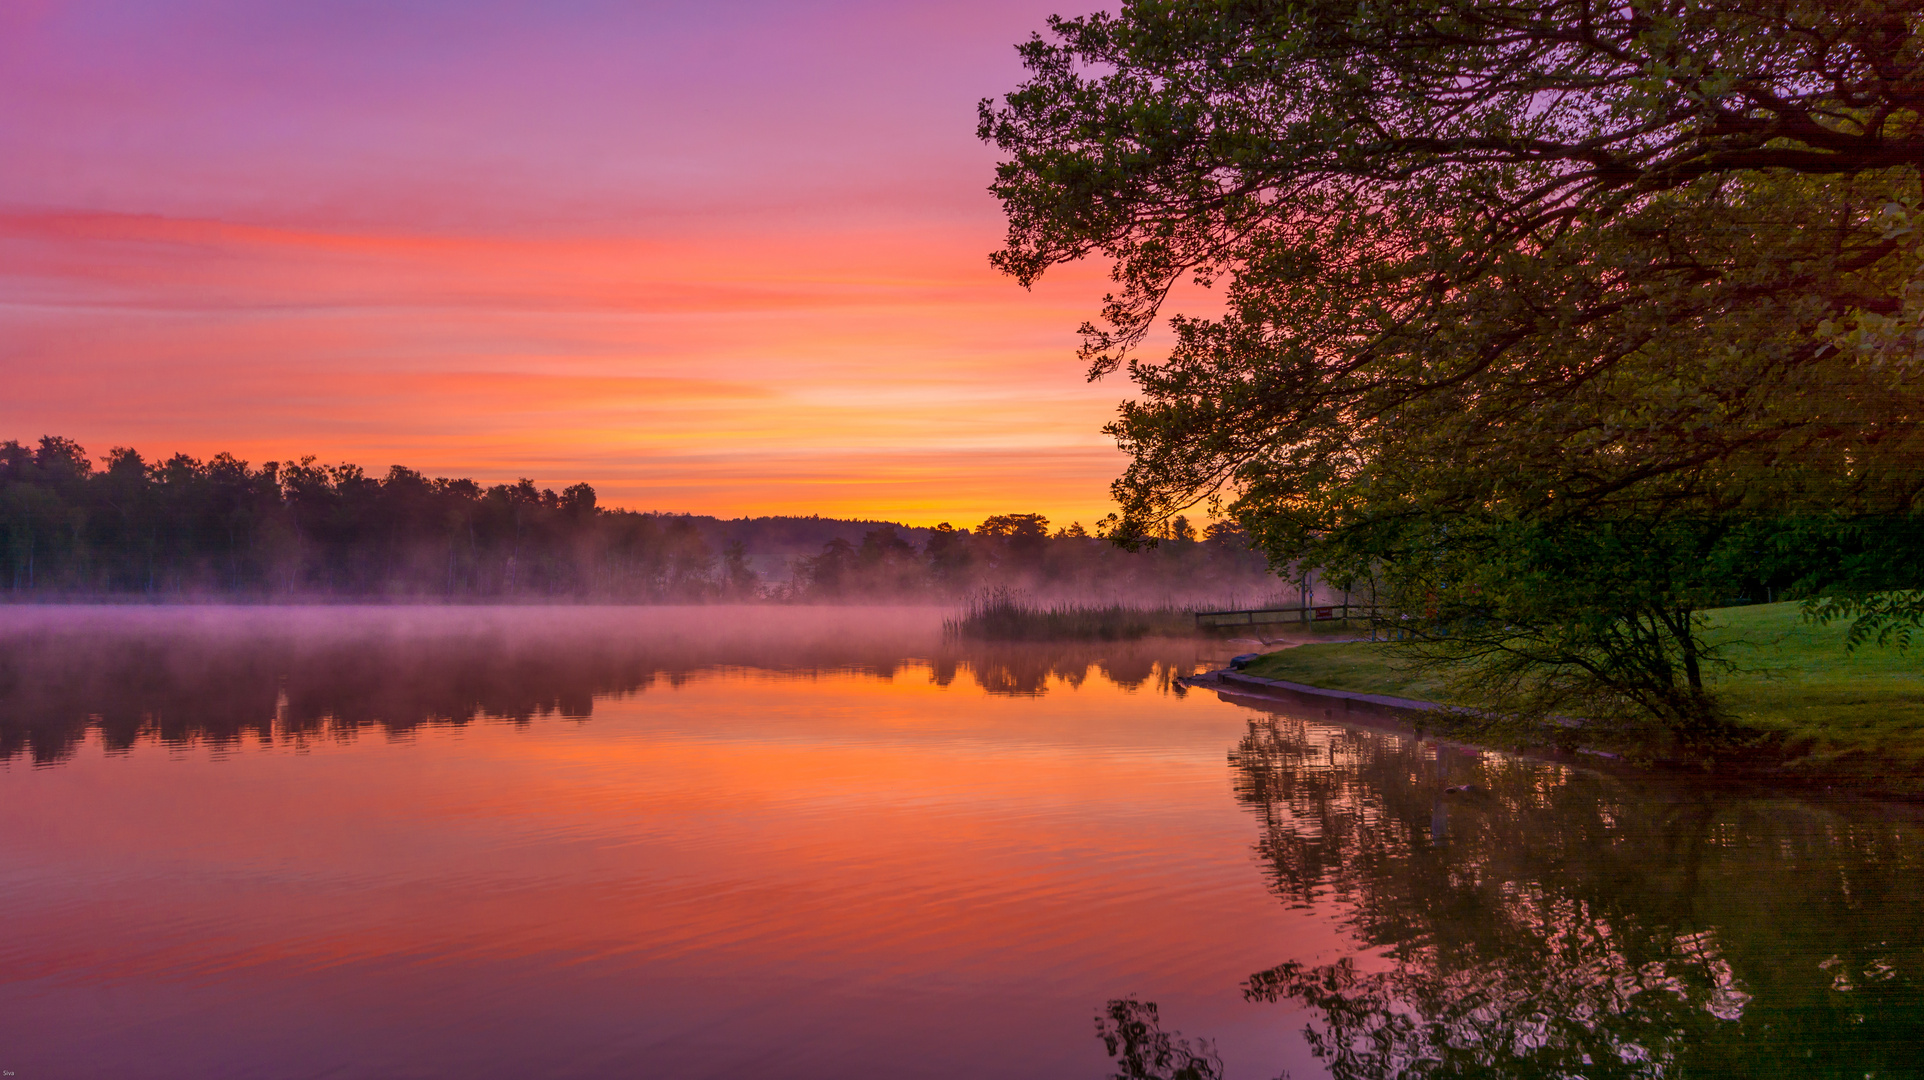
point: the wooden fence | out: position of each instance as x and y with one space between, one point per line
1211 620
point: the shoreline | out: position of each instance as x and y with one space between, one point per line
1387 701
1385 713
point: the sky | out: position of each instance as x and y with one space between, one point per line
724 258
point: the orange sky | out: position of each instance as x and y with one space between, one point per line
527 251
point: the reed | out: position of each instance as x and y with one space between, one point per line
1001 615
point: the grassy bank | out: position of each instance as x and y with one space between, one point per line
1817 709
1003 617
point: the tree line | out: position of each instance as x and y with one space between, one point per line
1020 552
181 527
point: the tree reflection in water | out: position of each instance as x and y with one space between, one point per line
1132 1033
1528 919
215 676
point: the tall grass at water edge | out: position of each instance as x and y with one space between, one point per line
1002 616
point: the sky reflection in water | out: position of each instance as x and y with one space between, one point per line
787 843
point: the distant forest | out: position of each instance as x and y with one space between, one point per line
187 529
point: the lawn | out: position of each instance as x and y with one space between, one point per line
1832 711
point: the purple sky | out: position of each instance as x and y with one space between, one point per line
721 257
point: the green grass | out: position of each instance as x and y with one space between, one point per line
1360 666
1826 711
1834 709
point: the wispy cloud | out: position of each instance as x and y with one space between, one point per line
727 259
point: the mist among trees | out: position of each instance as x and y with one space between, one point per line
223 528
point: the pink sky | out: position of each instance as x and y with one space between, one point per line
721 258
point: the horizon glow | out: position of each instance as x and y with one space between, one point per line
727 260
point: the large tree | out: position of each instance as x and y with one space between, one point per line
1485 265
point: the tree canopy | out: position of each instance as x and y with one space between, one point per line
1620 240
1490 261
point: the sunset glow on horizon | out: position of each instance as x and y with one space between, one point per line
727 261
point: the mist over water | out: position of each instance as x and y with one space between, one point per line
211 674
790 842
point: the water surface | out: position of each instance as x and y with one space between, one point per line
788 843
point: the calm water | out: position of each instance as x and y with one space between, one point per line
782 843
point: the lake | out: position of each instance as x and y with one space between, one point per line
781 842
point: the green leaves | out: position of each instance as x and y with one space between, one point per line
1555 264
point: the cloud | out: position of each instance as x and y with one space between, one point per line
602 242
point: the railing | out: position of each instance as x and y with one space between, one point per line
1313 613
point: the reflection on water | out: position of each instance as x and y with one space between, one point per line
214 675
786 844
1528 919
1132 1033
794 843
